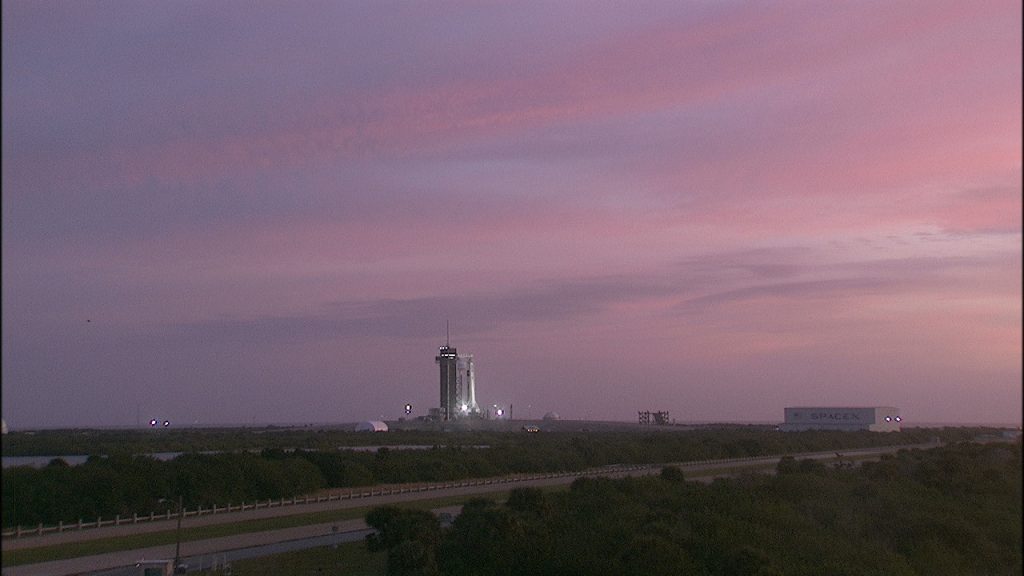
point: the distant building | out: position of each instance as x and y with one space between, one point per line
457 384
551 416
3 423
875 419
659 417
448 359
371 426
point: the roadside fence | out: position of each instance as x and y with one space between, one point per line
355 493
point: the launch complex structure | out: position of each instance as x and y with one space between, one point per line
458 387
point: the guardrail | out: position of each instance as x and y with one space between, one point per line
20 531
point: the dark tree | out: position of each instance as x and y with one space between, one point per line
411 538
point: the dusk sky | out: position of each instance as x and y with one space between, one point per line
265 212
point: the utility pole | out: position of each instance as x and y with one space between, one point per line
177 544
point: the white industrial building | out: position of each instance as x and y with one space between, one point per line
874 419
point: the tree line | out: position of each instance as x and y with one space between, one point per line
108 442
125 484
152 440
954 510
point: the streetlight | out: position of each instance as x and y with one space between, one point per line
178 568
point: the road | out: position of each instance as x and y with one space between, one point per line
102 563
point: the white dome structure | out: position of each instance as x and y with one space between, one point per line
552 416
371 426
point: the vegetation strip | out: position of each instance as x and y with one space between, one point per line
124 483
120 543
948 510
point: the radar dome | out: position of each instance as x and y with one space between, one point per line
371 426
551 416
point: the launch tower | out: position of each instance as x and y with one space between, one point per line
458 382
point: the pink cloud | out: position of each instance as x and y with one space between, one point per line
734 55
987 210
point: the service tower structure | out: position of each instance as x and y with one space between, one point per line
458 382
448 359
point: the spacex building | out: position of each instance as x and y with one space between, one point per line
875 419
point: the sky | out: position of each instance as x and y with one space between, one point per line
266 212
